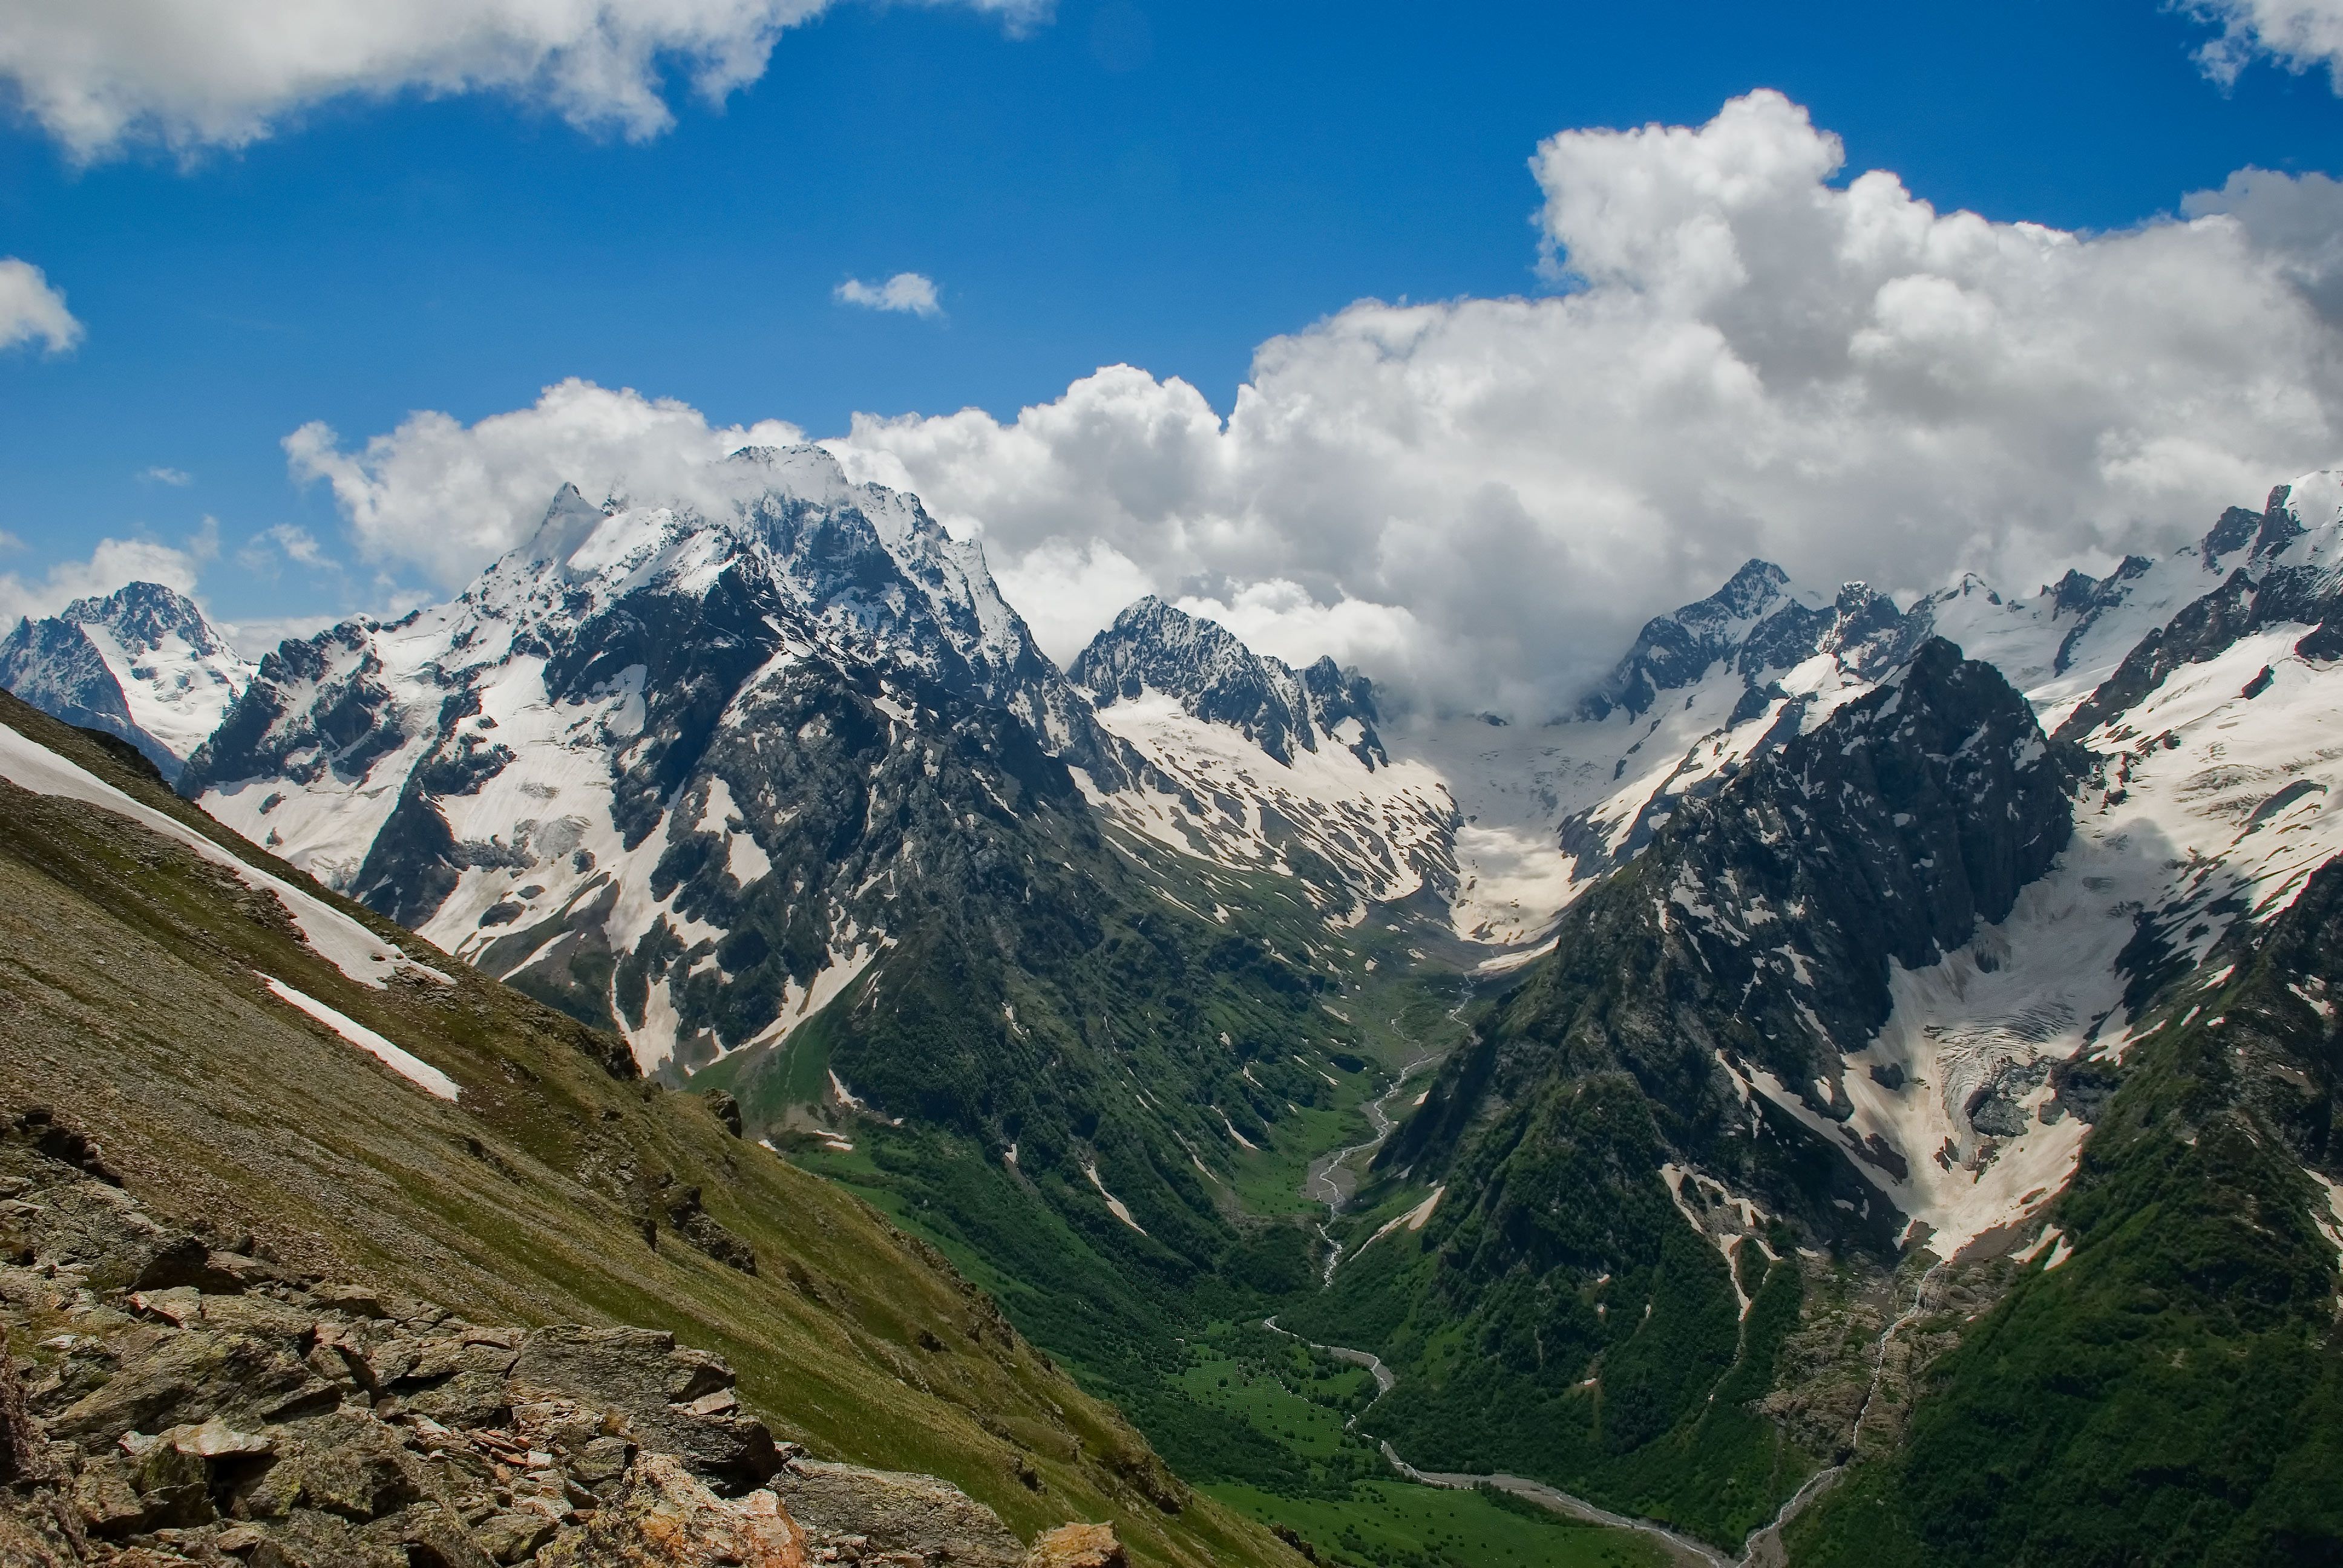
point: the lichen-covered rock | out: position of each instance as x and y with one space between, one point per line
1078 1546
278 1422
883 1510
666 1518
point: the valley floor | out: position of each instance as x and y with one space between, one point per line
1257 1419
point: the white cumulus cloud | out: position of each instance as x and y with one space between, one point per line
194 74
905 291
448 498
111 564
1480 500
1748 359
2300 34
30 308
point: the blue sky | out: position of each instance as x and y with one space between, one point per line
1164 186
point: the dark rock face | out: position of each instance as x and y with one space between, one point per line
2279 1050
267 1418
315 707
1153 646
2262 590
1755 622
52 665
1760 927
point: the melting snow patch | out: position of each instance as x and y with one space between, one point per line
342 941
1675 1176
2328 1217
1114 1206
1413 1219
1234 1133
405 1063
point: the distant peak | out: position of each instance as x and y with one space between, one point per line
804 472
141 614
131 598
1142 610
1757 584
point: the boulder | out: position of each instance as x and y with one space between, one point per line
667 1519
663 1390
893 1511
1078 1546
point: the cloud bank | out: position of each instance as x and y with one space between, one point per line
906 292
2300 34
30 308
1480 500
447 498
197 74
111 564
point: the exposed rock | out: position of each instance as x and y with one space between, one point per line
660 1389
726 1109
667 1519
693 1224
1078 1546
888 1511
241 1416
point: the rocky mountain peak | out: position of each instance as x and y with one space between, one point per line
143 615
1760 622
1153 646
141 663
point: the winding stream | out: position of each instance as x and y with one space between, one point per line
1763 1549
1320 1183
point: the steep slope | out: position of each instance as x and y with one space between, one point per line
771 786
2157 1383
1636 1167
141 663
1865 998
386 1112
2164 1384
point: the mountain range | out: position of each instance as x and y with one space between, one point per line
1726 1101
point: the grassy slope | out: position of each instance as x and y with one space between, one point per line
128 1001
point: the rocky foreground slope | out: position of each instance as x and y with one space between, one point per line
166 1402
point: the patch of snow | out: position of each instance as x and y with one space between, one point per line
1114 1206
404 1062
348 946
1232 1126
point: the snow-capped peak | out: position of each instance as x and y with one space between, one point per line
1258 764
141 662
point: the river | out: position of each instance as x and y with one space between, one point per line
1763 1547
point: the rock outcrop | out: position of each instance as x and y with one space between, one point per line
164 1403
1078 1546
